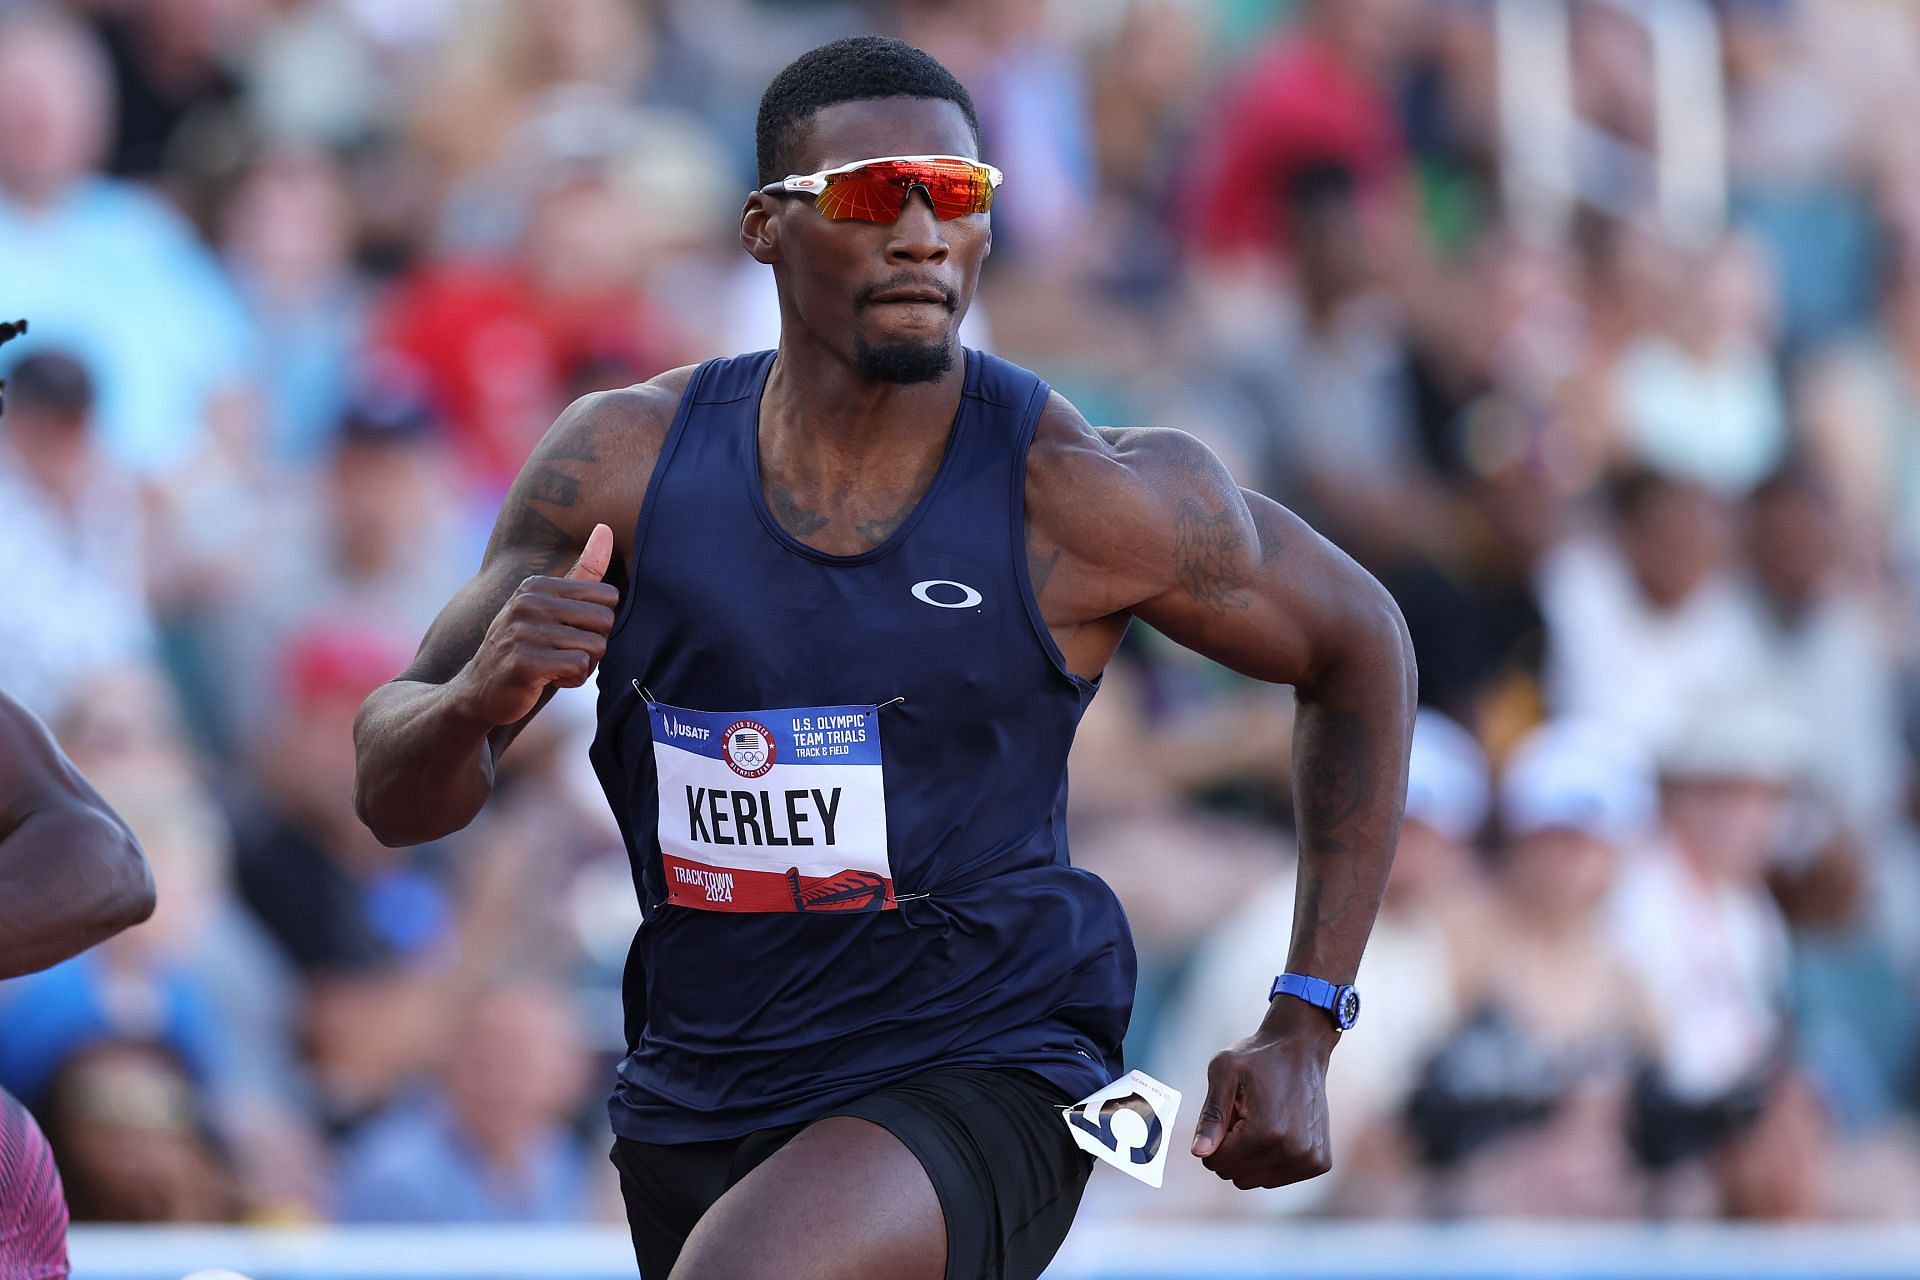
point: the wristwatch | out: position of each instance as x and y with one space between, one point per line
1341 1003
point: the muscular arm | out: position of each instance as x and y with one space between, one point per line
426 742
71 874
1148 523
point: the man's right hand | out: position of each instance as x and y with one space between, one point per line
551 632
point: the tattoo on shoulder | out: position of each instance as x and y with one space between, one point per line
1209 554
794 518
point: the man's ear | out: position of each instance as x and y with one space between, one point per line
760 228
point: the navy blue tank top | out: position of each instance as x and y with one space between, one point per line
842 785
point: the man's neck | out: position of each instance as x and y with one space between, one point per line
820 412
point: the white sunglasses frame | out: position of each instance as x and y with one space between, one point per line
812 184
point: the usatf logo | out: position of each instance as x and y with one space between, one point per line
677 728
748 748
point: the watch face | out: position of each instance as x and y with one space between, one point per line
1347 1009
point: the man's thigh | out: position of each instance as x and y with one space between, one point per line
843 1200
989 1147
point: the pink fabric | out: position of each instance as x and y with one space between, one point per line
33 1209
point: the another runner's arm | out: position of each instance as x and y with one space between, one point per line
71 873
535 618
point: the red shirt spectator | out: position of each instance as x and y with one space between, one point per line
1302 101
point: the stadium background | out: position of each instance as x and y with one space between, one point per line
1592 328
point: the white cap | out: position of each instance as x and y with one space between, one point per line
1447 785
1753 736
1581 774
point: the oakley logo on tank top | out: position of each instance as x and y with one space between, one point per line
842 785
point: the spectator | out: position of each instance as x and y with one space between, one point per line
505 344
101 266
372 542
488 1140
385 950
1524 1109
1318 94
287 234
127 1125
72 541
171 81
1698 398
1824 651
1695 918
1643 624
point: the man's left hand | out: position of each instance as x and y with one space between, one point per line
1264 1121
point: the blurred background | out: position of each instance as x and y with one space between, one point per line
1591 327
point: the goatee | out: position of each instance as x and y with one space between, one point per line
903 363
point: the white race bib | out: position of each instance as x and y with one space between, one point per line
782 810
1129 1124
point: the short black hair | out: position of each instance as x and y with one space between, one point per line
52 382
848 70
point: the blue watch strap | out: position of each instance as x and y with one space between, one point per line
1317 992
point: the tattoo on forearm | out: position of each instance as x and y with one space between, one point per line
1332 779
1209 555
878 531
1324 905
794 518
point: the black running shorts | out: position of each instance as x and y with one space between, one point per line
992 1142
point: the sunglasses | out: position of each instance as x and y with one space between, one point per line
877 190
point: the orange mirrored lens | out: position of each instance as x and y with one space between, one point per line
876 192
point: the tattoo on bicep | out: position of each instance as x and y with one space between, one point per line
541 546
1209 554
579 443
878 531
552 486
1331 779
794 518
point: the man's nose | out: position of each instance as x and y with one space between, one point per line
918 233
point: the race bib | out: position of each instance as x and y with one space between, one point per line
1128 1124
772 810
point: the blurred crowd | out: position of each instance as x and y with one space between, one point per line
307 278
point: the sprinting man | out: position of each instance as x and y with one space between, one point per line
848 601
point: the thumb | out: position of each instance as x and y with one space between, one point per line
592 564
1214 1110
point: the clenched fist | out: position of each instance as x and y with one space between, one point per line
551 632
1263 1122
